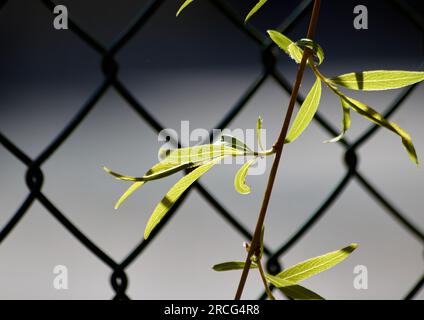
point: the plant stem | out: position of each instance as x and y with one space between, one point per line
278 147
262 273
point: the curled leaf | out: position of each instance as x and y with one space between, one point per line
306 113
255 9
183 6
378 80
175 193
313 46
345 122
311 267
240 178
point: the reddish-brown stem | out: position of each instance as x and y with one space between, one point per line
278 148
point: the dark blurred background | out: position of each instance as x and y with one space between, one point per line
195 68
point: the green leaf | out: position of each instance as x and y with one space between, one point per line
158 171
202 153
378 79
293 290
175 193
287 45
184 5
280 40
235 143
345 122
232 265
372 115
259 133
313 46
255 9
127 193
306 112
240 178
311 267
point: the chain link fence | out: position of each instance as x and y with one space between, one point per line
110 67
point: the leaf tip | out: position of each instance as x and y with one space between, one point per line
106 169
352 247
146 234
271 32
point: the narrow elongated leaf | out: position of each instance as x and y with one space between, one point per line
232 265
240 178
287 45
311 267
372 115
293 290
259 133
306 112
235 143
183 6
255 9
180 159
202 153
378 79
159 171
345 122
280 40
127 193
295 52
175 193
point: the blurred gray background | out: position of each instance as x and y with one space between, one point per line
195 68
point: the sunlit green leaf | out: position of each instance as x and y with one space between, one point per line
345 122
372 115
235 143
378 79
175 193
232 265
293 290
311 267
306 112
240 178
202 153
158 171
184 5
127 193
287 45
313 46
255 9
259 133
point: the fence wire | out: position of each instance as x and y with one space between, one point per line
110 67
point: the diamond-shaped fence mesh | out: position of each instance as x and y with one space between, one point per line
34 175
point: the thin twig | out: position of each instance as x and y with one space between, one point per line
262 273
278 147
